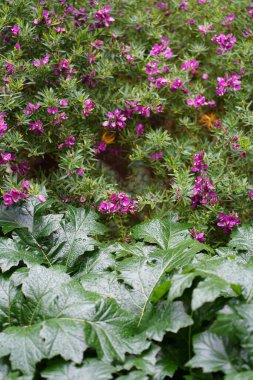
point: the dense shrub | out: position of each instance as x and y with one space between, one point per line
104 97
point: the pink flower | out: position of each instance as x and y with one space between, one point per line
36 127
5 157
197 235
228 221
226 42
140 129
63 102
88 107
3 124
251 194
104 17
41 198
203 192
70 142
52 110
43 61
199 164
13 197
117 120
15 30
31 108
156 156
25 185
118 203
229 81
162 49
190 65
197 102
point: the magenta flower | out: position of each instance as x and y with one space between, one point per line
183 6
162 49
140 129
251 194
52 110
5 157
70 142
88 107
190 65
3 124
203 192
13 197
226 42
118 203
43 61
117 120
25 185
64 102
41 198
100 148
156 156
104 17
199 101
250 11
197 235
31 108
228 221
36 127
176 85
15 30
229 81
199 164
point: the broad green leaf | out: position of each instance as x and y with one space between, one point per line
164 233
208 290
231 270
145 362
17 216
152 363
247 375
9 297
16 376
12 252
242 239
96 263
91 369
108 284
165 317
179 283
111 333
212 354
74 236
143 275
24 345
134 375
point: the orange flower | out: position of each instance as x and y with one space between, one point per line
208 120
108 137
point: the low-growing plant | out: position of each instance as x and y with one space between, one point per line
160 306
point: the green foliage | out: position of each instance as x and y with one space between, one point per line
120 310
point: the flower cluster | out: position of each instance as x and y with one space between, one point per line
197 235
118 203
226 42
200 101
203 192
228 221
229 81
199 164
117 120
3 124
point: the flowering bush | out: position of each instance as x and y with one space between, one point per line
121 96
